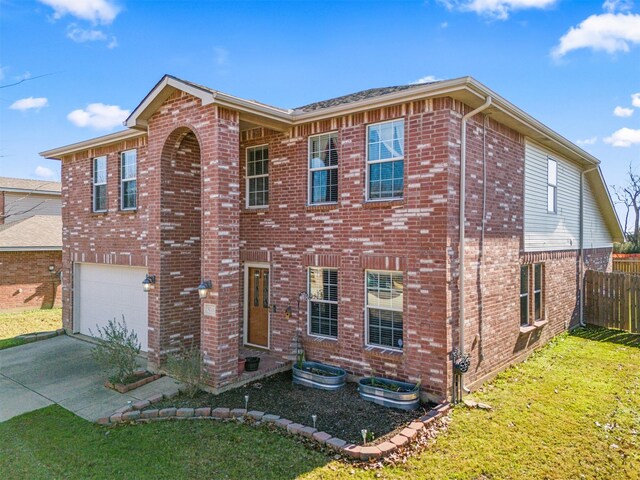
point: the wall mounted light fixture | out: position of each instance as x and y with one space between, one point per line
203 288
52 268
149 282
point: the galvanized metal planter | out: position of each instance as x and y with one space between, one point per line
305 376
373 389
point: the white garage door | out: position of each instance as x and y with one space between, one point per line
105 292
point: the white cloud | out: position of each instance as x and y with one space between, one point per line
499 9
587 141
608 32
635 100
96 11
427 79
613 6
81 35
98 116
625 137
622 112
444 24
221 56
29 103
113 43
44 172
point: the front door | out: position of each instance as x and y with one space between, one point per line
258 299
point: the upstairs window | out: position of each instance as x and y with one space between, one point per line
100 184
128 182
323 302
552 186
385 160
323 169
384 305
258 176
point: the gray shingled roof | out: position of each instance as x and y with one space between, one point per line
354 97
39 232
27 184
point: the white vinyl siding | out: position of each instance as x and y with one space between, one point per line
544 230
24 205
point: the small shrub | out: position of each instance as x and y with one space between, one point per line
117 350
187 366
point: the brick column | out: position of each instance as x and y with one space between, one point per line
221 316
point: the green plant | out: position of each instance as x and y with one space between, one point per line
187 366
300 358
117 350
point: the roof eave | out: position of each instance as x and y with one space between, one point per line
31 249
58 153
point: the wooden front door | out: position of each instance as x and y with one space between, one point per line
258 299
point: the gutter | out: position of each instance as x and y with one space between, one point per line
581 268
463 197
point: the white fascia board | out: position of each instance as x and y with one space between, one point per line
30 249
58 153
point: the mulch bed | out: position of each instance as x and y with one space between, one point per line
341 413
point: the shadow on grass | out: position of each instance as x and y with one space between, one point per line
600 334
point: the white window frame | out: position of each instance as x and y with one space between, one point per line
526 294
319 169
553 186
333 302
366 309
247 177
96 184
540 291
394 159
124 180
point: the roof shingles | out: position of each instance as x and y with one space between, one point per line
40 232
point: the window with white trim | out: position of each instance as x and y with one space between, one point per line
323 302
323 168
531 293
258 176
552 186
385 160
384 307
100 184
128 180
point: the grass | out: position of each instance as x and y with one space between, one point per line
29 321
10 342
571 411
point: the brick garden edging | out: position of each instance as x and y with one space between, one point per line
37 336
140 412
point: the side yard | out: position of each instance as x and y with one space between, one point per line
571 411
27 321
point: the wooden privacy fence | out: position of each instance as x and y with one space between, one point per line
627 265
612 300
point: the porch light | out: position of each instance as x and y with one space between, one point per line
149 282
204 287
51 268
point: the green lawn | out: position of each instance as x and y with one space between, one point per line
571 411
29 321
10 342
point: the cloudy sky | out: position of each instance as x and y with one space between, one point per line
74 69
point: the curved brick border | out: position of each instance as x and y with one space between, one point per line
140 412
37 336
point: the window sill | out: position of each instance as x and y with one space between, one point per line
397 202
376 350
527 328
540 323
322 206
128 211
99 212
321 339
256 209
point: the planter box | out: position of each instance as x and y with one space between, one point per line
373 389
122 388
306 376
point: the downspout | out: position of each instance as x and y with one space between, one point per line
581 267
463 197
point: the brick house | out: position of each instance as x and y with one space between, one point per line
339 220
30 244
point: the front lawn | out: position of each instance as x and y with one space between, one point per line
571 411
29 321
10 342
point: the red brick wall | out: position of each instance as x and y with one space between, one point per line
26 282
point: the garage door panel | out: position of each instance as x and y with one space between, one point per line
105 292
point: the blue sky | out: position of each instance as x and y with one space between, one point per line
83 64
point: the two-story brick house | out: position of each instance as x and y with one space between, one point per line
341 220
30 244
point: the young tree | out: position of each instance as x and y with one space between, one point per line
629 196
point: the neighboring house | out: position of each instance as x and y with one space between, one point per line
340 218
30 244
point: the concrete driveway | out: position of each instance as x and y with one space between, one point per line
60 370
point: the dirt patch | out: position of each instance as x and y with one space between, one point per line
342 413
